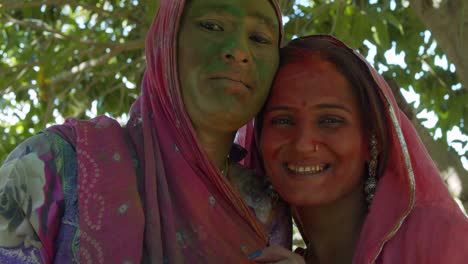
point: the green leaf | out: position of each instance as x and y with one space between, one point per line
392 20
360 29
381 34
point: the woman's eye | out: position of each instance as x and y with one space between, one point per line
260 39
282 121
211 26
331 121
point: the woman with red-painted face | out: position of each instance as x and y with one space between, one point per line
361 185
167 187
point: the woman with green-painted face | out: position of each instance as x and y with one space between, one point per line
166 188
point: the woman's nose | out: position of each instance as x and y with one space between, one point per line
236 56
306 140
236 51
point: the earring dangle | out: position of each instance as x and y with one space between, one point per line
371 181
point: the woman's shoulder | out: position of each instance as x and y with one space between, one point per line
44 144
447 214
32 195
432 233
431 222
45 151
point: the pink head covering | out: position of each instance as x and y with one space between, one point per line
191 211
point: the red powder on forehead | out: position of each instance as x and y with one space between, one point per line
304 63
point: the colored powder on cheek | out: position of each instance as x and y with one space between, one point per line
269 149
265 72
275 156
241 95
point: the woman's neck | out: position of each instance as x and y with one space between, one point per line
333 230
216 145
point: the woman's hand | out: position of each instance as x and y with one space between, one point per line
278 255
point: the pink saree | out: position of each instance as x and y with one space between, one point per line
182 210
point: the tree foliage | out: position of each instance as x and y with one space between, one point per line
388 24
57 57
60 57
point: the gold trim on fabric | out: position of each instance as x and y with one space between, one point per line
410 175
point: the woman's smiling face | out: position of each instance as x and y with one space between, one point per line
313 143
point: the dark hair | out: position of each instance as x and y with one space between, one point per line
357 74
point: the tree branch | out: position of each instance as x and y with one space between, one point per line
131 45
447 161
22 4
337 15
44 27
432 71
447 22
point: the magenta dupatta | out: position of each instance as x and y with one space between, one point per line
189 211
